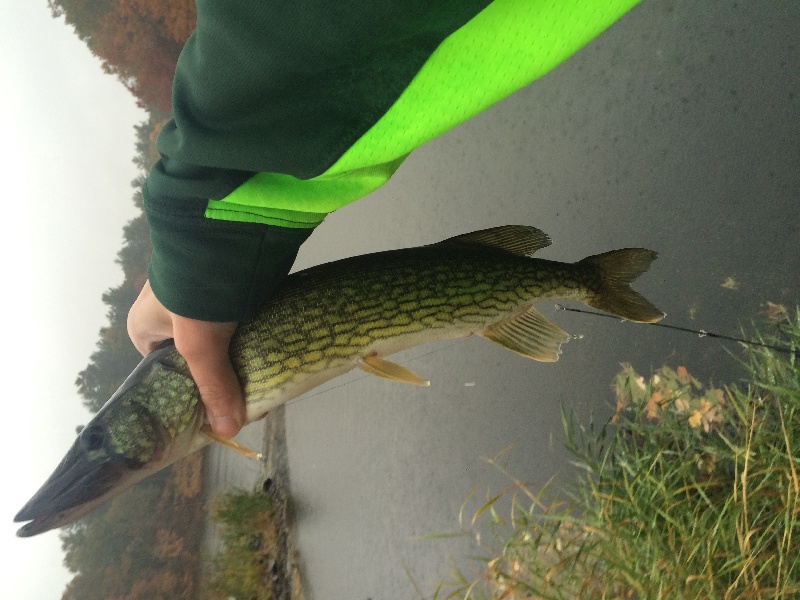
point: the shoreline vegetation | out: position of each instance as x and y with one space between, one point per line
257 558
691 491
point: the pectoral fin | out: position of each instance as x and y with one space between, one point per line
388 370
529 334
231 444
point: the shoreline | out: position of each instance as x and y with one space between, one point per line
275 483
281 578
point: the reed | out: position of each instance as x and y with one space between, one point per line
249 535
690 491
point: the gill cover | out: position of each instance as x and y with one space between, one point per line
126 441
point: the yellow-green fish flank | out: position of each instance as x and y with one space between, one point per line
329 319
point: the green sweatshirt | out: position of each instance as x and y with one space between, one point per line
286 111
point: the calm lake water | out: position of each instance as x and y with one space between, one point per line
676 130
224 469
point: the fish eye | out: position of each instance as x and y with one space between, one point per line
92 438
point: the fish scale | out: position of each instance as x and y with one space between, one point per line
327 320
446 291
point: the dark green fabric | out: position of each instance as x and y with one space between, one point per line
279 87
229 274
287 87
287 110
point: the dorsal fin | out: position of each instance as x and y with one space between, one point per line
521 240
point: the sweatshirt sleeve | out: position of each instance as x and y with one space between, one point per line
286 111
208 269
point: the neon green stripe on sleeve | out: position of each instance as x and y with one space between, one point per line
502 49
283 200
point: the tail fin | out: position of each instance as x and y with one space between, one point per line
618 269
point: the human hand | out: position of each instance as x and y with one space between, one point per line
204 346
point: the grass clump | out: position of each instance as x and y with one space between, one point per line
690 492
244 568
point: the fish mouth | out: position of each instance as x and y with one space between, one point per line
76 487
81 483
92 472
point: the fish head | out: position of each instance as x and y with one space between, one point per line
152 420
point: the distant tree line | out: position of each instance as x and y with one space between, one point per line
146 543
136 40
115 355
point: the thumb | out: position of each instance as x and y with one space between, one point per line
204 346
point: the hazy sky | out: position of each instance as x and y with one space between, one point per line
67 168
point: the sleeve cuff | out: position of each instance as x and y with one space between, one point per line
215 270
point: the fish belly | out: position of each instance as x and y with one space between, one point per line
265 398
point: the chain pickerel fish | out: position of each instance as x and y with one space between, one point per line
327 320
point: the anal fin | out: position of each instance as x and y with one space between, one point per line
380 367
231 444
529 334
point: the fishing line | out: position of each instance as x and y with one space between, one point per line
702 333
698 332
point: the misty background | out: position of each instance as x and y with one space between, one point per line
675 130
